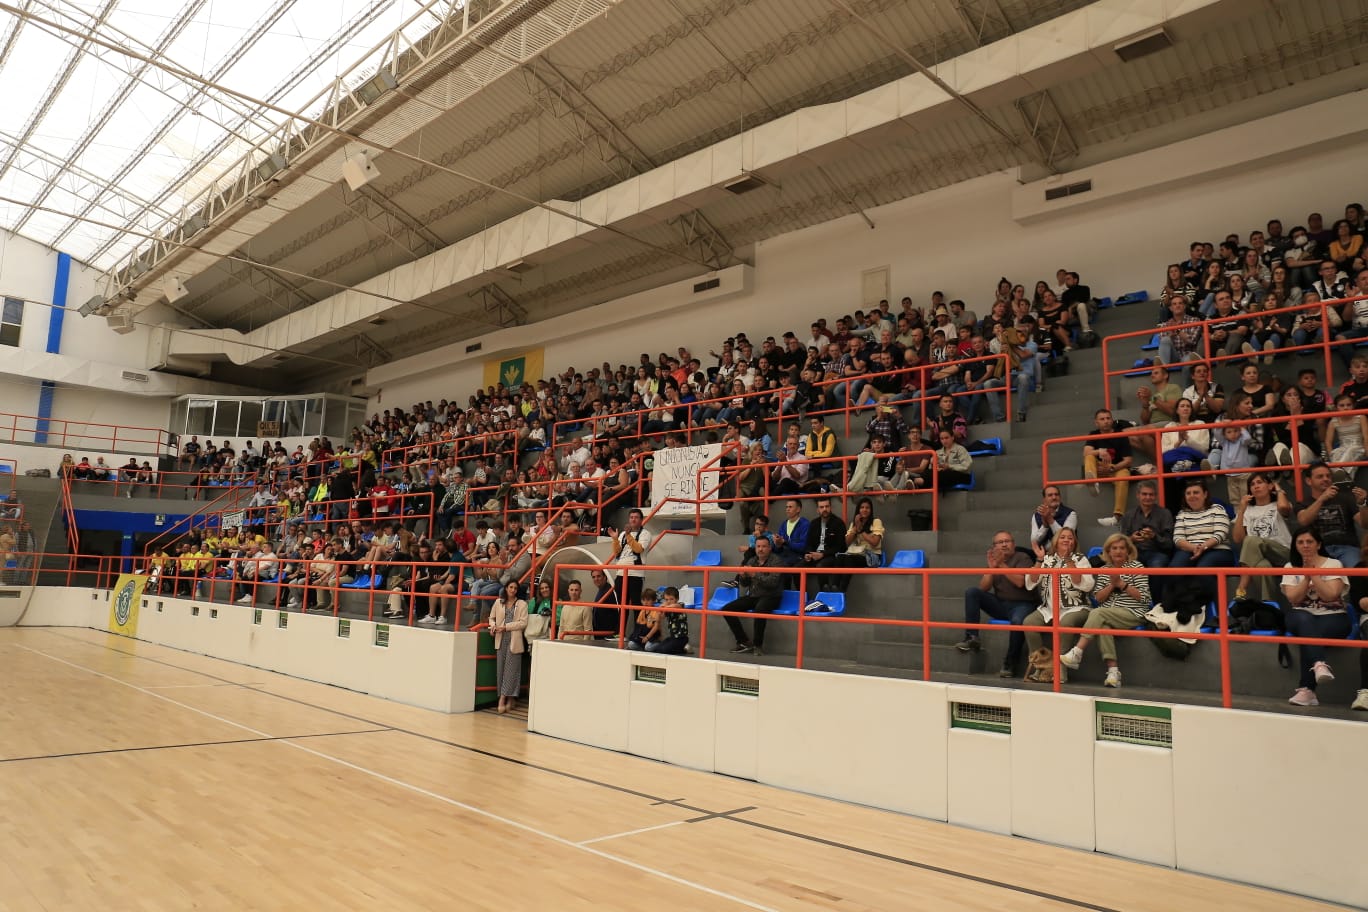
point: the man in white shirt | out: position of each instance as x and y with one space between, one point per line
629 549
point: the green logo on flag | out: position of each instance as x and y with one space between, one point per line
511 372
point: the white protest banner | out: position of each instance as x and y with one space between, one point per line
676 475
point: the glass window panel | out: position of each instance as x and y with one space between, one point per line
313 418
13 311
251 417
226 418
9 334
200 419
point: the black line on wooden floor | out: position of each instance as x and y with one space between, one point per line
160 747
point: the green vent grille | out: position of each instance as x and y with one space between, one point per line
648 674
981 717
382 632
745 687
344 628
1131 723
256 616
282 619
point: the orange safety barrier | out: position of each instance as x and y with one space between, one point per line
1327 342
1221 635
107 568
85 435
1296 466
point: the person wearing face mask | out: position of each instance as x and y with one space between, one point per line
1302 258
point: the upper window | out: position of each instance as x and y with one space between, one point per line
11 318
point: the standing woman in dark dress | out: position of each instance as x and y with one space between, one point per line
507 621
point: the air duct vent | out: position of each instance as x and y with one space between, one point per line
378 321
1055 193
134 376
744 184
474 347
1151 42
707 285
518 267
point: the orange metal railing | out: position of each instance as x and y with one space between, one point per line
85 435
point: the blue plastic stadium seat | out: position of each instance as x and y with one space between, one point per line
1095 551
910 559
1151 345
835 602
963 486
5 469
790 603
1104 303
993 447
361 582
721 598
710 558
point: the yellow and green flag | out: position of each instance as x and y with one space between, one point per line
515 370
124 604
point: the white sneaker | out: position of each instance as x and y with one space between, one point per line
245 600
1322 672
1071 659
292 603
1109 522
1094 489
426 619
1304 696
1146 469
1113 678
1361 701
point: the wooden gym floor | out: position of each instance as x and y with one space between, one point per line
138 777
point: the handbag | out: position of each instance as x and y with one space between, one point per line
538 626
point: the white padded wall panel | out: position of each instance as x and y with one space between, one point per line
691 708
874 741
736 746
646 705
1052 772
773 142
587 699
1272 800
979 782
1133 801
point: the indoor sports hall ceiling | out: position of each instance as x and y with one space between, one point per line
506 105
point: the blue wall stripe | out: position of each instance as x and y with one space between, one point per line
45 394
56 316
57 313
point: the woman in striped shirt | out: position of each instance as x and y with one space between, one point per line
1122 600
1201 534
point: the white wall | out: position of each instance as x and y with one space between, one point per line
1273 800
431 669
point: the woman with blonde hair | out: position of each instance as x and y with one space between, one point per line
1068 591
1123 597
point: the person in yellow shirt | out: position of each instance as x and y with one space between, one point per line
821 444
186 563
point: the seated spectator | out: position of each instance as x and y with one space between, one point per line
1108 456
1207 398
1331 512
759 529
1318 611
954 465
83 470
1268 330
826 540
982 376
863 539
821 445
761 590
1068 592
1050 517
1201 533
1296 429
649 628
605 616
947 417
1344 436
1122 600
790 538
1260 530
1001 594
1184 445
791 473
1355 319
1179 337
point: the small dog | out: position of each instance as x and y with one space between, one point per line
1040 666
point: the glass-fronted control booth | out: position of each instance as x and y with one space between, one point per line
290 419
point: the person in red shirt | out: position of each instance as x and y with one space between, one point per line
384 499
